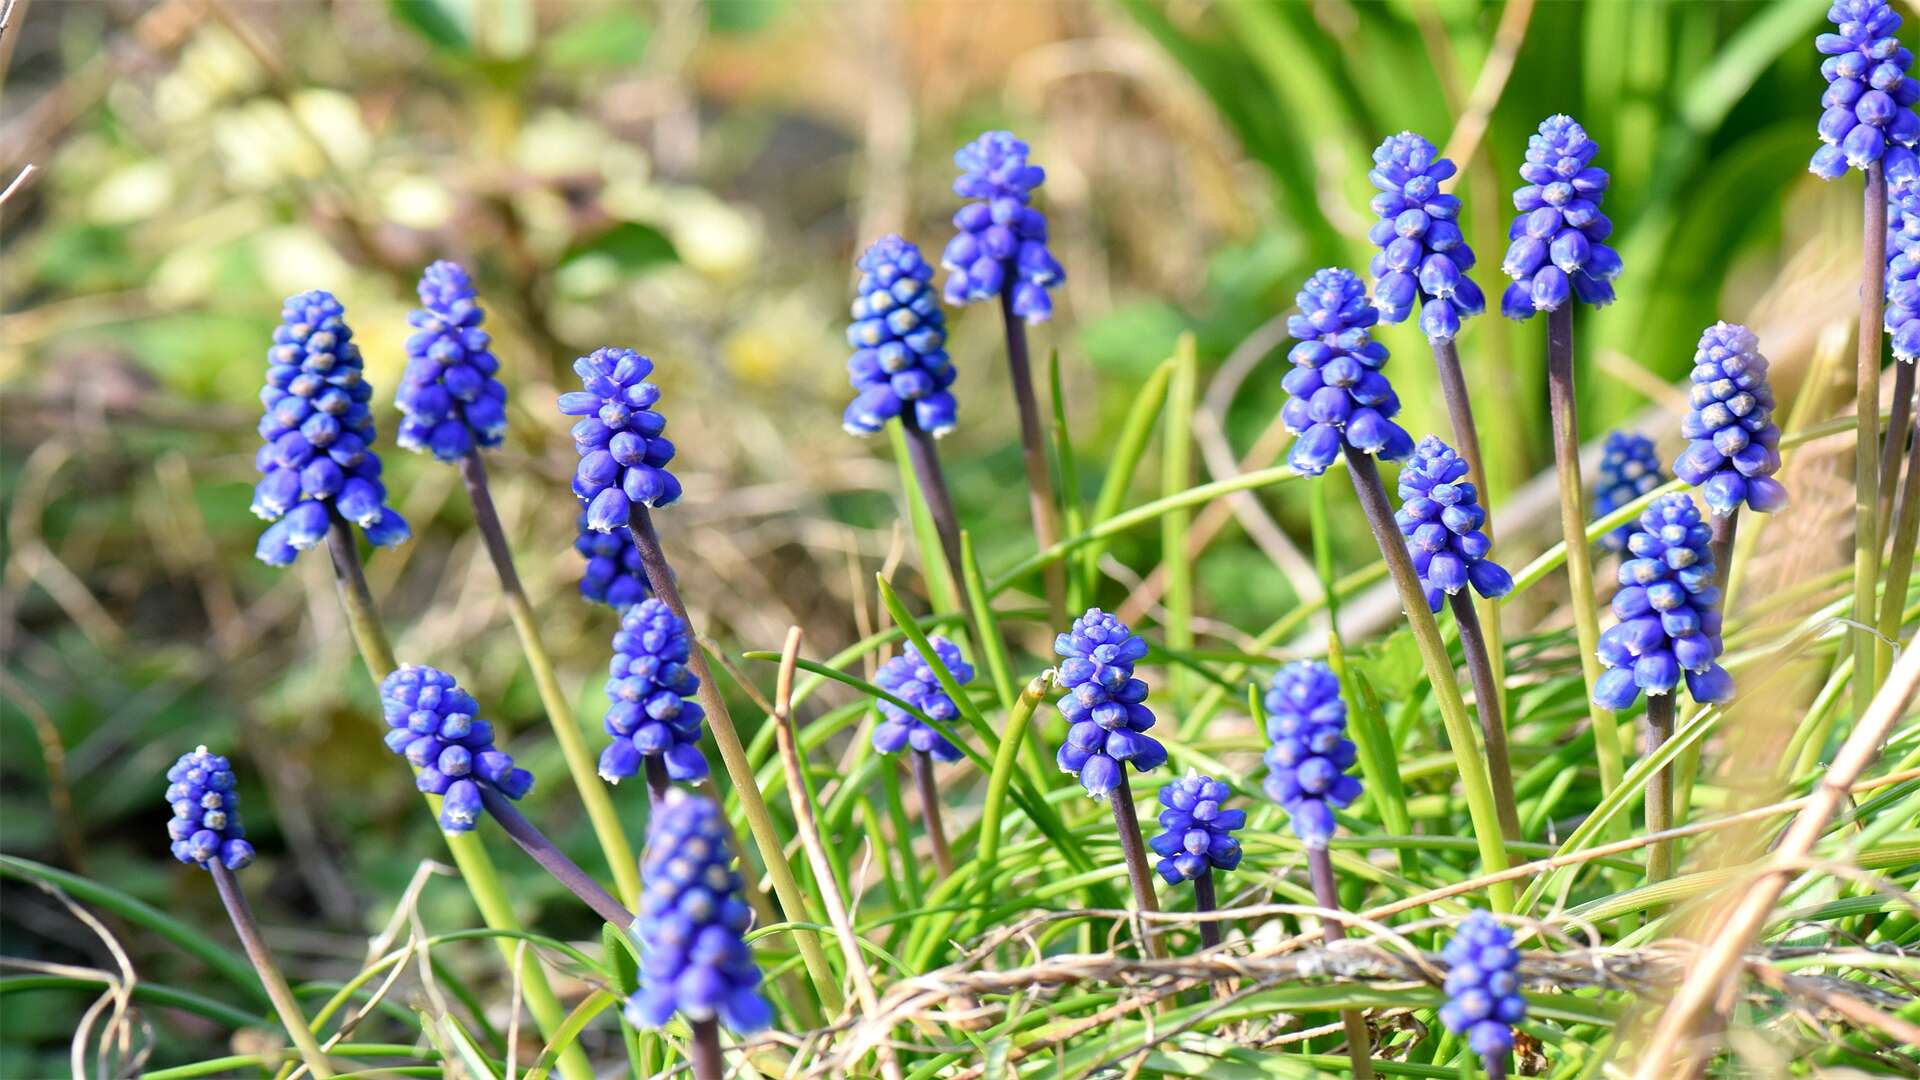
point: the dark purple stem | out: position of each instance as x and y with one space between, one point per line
707 1062
563 869
1134 847
1033 443
1899 426
930 812
1327 895
1466 437
1660 709
1724 526
1205 901
933 488
1488 702
657 780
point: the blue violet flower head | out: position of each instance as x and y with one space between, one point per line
1336 394
1869 99
1001 240
436 726
1733 445
205 827
1483 989
1669 611
450 398
650 694
1557 250
318 434
909 676
1440 515
899 365
623 455
1423 255
1310 754
1903 269
1196 831
1105 706
1629 468
615 576
693 958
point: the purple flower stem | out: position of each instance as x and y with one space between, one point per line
1866 475
278 992
707 1062
657 780
1906 533
1139 875
1660 708
930 812
1488 702
1040 498
1466 436
553 860
1359 1039
1899 426
739 769
1205 901
1724 528
933 486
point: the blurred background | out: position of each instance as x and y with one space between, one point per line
693 179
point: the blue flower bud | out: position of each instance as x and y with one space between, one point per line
1309 755
1733 445
899 367
205 827
618 404
451 400
693 958
1440 516
1001 241
1483 988
1104 705
909 676
650 692
1557 249
317 433
435 725
1196 832
615 575
1337 395
1629 468
1423 253
1869 98
1668 611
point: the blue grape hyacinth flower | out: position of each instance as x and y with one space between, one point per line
910 677
205 827
1557 250
1196 832
693 958
1483 988
1733 445
1104 705
448 394
1310 753
650 692
1629 468
318 457
1336 394
1869 99
1001 240
615 575
1669 612
436 726
623 455
1423 254
1440 515
899 338
1903 269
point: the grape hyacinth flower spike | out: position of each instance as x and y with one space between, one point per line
652 715
1557 248
1629 468
317 460
1868 118
1483 990
623 455
1733 445
1107 723
614 576
448 395
910 677
694 960
205 832
1423 254
1337 397
436 726
1196 838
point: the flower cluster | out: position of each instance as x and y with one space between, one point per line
1002 240
205 827
449 395
1423 254
651 690
899 337
1483 992
910 677
615 576
1869 101
1308 761
1440 516
1104 704
1669 611
623 456
1903 269
1733 445
1196 834
1336 394
436 726
1629 468
693 960
318 432
1557 236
